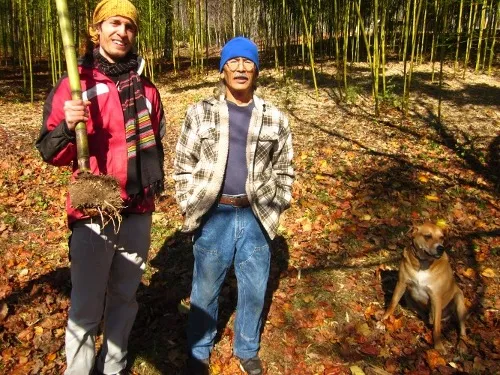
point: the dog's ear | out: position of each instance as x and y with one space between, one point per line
414 230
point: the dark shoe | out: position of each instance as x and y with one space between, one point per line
251 366
197 366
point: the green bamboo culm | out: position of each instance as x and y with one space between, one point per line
82 145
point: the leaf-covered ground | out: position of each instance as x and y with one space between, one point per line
361 184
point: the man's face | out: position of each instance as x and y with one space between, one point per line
116 38
239 76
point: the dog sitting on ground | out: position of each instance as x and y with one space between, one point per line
426 272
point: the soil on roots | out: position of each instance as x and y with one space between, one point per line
96 195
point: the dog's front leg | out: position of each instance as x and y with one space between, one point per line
458 299
398 293
437 313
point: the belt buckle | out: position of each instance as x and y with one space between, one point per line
235 201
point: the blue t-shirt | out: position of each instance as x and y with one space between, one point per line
236 169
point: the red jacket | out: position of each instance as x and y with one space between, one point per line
106 133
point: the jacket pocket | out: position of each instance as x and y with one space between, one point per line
207 137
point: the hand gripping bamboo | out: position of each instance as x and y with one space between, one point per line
82 146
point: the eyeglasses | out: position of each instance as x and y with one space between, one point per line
234 64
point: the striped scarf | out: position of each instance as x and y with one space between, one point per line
144 151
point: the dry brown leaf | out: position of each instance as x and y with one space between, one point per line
434 359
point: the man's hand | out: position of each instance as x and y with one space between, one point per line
76 111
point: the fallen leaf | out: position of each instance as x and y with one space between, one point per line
432 198
308 298
488 272
434 359
363 329
307 227
369 349
470 273
22 360
356 370
4 311
441 223
23 272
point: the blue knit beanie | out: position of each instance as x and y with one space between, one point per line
239 47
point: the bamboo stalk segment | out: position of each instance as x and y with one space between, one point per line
82 146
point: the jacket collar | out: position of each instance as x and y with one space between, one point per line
260 104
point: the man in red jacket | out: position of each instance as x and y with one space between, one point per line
125 124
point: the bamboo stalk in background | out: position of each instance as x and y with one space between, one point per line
416 16
382 45
459 34
376 56
28 53
422 40
470 34
489 23
480 39
405 53
345 45
337 53
434 40
310 47
442 47
369 57
492 48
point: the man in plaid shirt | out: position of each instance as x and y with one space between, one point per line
233 174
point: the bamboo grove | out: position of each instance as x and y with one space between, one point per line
291 33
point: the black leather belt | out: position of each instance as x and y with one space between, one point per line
235 201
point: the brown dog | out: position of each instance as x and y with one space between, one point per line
425 270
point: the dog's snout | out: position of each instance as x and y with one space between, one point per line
440 250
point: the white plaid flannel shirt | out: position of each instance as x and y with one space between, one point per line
202 152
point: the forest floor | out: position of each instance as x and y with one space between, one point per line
362 183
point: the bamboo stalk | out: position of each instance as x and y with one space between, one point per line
405 60
416 16
480 39
310 46
82 145
470 34
422 41
459 34
28 50
382 45
492 48
369 57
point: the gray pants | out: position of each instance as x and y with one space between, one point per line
106 269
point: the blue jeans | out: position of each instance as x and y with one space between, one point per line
228 234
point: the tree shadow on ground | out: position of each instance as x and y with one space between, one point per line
359 80
158 336
159 333
467 150
42 301
58 281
